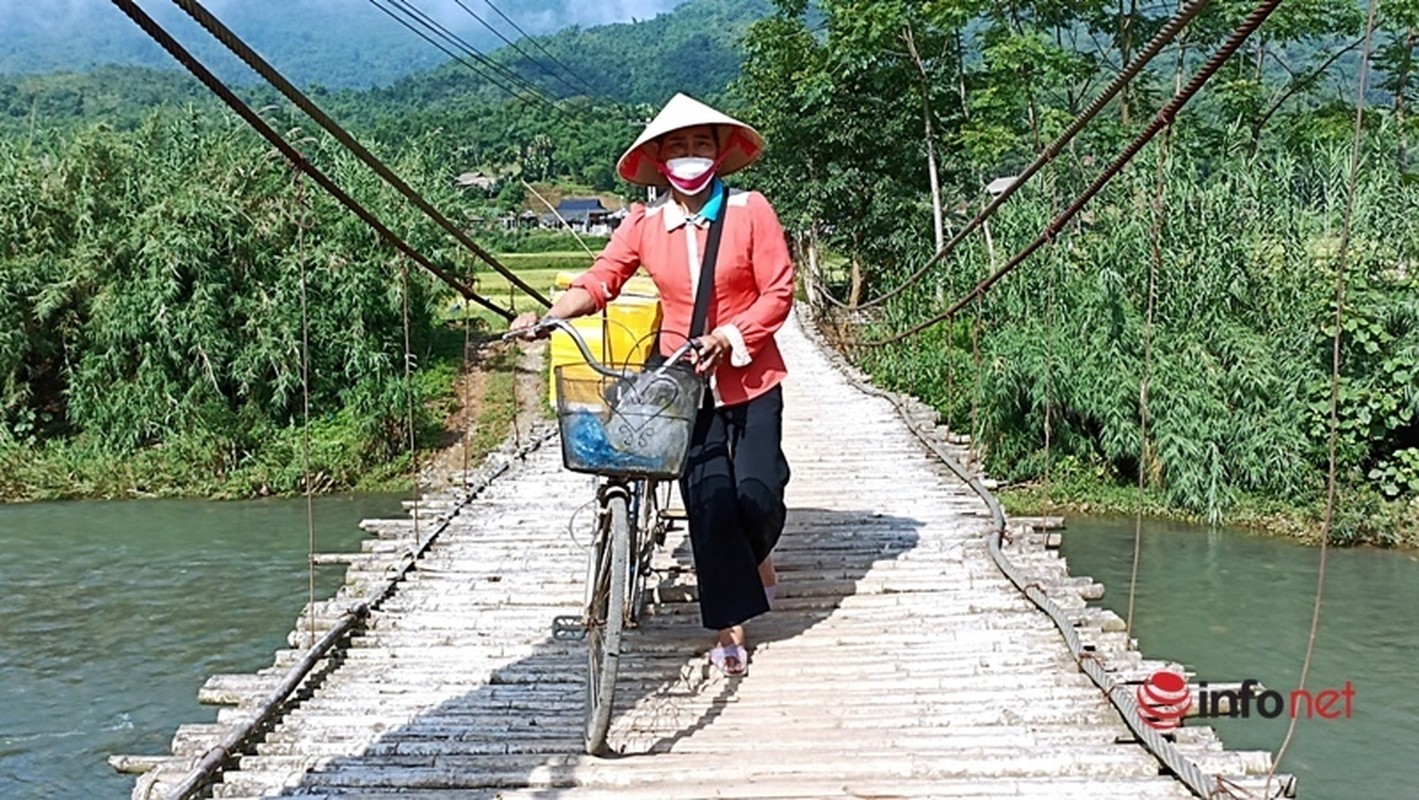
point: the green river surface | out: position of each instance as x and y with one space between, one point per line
1231 606
112 614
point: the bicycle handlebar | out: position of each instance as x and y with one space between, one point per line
562 325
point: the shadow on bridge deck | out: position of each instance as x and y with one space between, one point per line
522 729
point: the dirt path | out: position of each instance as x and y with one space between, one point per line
456 453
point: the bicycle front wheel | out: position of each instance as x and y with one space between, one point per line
644 540
606 614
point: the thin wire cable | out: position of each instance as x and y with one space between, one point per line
1163 118
467 390
269 73
1150 51
1342 259
480 72
294 156
605 310
409 8
1050 329
409 395
591 90
510 43
976 374
1155 234
559 217
301 223
517 400
442 31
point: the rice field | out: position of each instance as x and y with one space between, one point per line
539 270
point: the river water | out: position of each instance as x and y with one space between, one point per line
113 614
1232 606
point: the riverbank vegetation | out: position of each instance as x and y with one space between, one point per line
151 263
159 286
1210 265
154 252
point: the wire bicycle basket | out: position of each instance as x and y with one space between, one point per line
631 423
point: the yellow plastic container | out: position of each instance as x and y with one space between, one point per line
623 337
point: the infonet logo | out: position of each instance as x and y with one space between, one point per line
1165 698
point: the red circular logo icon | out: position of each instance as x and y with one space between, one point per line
1163 699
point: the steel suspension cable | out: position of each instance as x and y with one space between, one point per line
1342 259
234 43
591 90
1163 119
1150 51
467 374
535 62
429 23
294 156
475 69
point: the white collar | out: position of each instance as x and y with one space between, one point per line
674 215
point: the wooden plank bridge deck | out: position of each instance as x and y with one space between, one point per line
898 661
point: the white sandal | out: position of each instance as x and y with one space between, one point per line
720 655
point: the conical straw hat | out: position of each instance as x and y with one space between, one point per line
740 144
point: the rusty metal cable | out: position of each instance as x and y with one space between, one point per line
302 222
234 43
294 156
505 78
1165 36
1163 119
1155 235
1342 259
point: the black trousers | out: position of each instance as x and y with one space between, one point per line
733 489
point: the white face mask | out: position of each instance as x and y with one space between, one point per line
689 168
690 175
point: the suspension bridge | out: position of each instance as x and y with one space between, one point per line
922 645
901 660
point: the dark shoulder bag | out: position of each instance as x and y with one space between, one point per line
704 293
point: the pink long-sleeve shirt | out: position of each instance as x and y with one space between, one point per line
753 283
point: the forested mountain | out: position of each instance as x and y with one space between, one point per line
694 49
332 42
1207 266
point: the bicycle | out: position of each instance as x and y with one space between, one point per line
630 427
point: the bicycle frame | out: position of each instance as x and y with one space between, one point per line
629 526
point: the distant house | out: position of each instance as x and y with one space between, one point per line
585 215
474 180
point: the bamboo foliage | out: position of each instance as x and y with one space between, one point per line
149 293
1240 373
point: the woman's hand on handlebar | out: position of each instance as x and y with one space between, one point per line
708 352
575 302
526 326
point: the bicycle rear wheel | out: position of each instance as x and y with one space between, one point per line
606 613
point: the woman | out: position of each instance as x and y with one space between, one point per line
736 472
